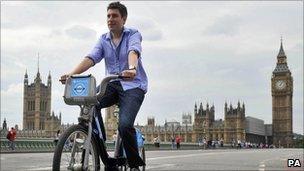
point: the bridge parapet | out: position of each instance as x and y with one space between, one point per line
48 145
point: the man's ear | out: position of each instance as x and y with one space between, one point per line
124 19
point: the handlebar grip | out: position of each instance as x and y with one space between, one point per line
122 77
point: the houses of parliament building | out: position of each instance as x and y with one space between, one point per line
236 125
37 114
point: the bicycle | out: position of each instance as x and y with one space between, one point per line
82 146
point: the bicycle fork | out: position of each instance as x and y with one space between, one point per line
87 143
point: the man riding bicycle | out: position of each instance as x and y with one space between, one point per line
121 50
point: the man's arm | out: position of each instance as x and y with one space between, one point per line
133 62
84 65
133 59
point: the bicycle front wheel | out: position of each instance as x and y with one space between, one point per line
69 152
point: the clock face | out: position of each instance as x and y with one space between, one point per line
280 84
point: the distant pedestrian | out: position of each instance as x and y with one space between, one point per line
57 135
172 143
239 144
200 143
178 141
204 143
233 143
11 136
156 142
222 142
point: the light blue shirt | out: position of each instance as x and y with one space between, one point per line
116 58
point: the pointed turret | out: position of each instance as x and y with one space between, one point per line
281 52
201 106
212 107
38 79
25 78
200 111
49 82
243 106
281 61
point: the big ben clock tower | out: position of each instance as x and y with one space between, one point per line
281 91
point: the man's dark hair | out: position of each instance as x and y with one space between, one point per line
121 8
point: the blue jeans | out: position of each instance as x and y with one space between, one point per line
129 103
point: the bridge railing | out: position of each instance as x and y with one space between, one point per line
48 145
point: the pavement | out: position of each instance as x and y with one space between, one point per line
227 159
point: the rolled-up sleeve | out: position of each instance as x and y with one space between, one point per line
96 55
135 43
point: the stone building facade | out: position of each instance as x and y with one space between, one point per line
37 106
232 128
204 125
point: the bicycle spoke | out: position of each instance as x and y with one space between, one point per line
72 157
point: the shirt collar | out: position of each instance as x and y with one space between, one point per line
125 30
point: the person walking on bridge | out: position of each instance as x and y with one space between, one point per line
11 136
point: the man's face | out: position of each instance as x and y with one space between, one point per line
115 20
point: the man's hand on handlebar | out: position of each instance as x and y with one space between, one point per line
63 78
129 74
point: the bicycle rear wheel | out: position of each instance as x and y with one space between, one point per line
69 152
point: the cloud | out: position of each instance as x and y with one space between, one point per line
192 51
149 28
80 32
227 25
12 104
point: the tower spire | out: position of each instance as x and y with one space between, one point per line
25 77
281 52
38 62
37 79
281 60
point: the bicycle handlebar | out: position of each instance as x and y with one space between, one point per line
105 81
103 84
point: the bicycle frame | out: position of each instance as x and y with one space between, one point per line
94 129
93 124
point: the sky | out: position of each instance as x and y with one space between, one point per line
193 52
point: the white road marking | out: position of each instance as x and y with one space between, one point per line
197 154
42 168
159 166
262 166
180 156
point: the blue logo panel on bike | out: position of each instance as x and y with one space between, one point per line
80 87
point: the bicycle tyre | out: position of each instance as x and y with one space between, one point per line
63 139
